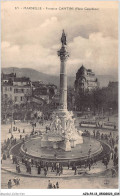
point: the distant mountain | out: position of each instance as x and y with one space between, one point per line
32 74
46 78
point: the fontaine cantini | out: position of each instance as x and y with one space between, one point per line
63 133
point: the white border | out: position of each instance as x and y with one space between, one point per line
35 192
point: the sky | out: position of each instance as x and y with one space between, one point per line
31 38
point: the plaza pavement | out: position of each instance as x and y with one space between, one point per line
26 126
96 170
96 178
8 166
97 175
64 183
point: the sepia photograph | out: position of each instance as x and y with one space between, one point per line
59 95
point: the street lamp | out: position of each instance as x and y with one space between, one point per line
12 118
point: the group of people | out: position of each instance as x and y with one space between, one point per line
86 133
45 169
41 166
17 129
6 146
53 186
104 136
57 168
54 167
113 142
28 164
87 163
16 181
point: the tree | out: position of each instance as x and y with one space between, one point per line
98 100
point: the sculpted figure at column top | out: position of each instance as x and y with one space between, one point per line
63 38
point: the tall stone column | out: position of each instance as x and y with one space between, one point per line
63 133
63 54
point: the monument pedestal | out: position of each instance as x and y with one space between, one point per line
55 145
63 133
66 145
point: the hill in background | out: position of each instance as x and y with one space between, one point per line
36 75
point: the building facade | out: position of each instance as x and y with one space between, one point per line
21 89
44 91
16 89
85 80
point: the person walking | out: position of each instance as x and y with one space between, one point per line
105 162
57 185
68 164
57 170
61 169
49 185
89 165
13 158
18 168
29 169
36 164
52 168
9 184
16 181
45 171
75 170
47 166
54 187
39 169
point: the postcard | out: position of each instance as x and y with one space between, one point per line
59 97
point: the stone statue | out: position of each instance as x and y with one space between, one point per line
57 121
56 125
63 38
60 127
70 124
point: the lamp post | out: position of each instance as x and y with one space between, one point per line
11 123
12 118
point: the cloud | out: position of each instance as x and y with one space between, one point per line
32 38
49 22
101 57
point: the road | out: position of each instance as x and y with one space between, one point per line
70 183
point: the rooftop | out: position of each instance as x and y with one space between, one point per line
8 76
22 79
